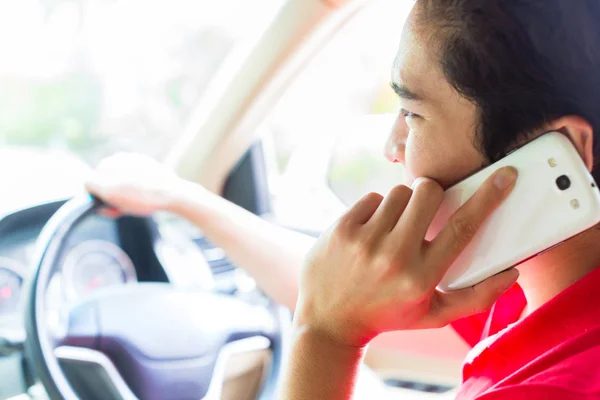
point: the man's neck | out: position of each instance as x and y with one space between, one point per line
545 276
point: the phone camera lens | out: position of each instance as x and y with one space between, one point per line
563 182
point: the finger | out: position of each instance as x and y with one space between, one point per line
100 183
422 207
363 210
108 212
387 215
464 224
448 307
94 184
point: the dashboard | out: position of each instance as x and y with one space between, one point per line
92 259
105 251
102 251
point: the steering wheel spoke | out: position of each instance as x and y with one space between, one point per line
92 374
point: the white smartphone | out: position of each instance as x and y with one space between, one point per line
554 199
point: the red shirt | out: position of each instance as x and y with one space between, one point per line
552 354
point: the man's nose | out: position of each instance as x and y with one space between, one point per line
396 143
394 153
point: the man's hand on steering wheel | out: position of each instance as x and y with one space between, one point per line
134 184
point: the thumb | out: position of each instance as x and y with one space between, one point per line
97 186
95 183
465 302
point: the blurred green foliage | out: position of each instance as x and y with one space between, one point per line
60 112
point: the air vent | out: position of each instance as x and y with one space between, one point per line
215 256
418 386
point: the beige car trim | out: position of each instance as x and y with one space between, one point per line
249 83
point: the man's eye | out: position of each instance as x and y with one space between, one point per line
407 114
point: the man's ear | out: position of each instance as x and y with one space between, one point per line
581 133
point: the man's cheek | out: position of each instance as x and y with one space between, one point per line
417 162
408 177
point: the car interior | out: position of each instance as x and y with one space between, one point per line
286 120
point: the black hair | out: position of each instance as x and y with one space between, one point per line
524 63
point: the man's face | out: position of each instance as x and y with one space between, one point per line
435 133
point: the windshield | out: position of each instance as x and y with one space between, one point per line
93 77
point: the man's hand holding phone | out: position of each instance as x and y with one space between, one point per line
374 272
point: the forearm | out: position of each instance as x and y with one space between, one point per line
320 369
271 254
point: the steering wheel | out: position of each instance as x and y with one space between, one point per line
142 341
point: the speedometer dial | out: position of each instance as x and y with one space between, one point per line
95 264
11 280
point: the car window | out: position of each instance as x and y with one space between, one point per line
324 140
94 77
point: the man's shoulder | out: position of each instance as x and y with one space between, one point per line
568 373
537 392
576 367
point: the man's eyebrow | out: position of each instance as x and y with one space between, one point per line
404 92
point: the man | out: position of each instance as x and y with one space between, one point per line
476 80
